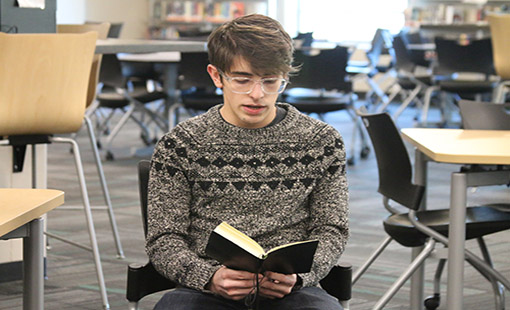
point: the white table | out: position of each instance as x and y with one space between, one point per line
20 217
114 46
489 147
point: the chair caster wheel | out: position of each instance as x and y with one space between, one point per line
364 152
109 156
432 302
351 161
99 145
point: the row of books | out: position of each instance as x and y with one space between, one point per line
198 11
450 14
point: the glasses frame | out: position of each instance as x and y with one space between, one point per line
284 81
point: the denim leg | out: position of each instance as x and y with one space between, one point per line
189 299
307 298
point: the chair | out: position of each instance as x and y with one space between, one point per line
484 115
321 87
411 83
126 95
500 35
102 30
367 71
421 227
465 71
197 91
143 279
43 82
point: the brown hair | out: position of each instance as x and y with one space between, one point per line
259 39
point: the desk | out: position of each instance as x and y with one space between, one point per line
460 147
114 46
20 217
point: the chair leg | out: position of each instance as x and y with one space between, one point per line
499 289
406 102
344 303
371 259
106 193
133 305
88 216
426 104
432 302
417 262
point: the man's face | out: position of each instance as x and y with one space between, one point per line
254 110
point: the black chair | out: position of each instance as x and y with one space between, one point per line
143 279
484 115
321 86
421 227
197 91
127 95
463 70
412 83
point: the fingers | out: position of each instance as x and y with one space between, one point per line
277 285
233 284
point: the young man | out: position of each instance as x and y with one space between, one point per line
261 166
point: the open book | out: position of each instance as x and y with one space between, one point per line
236 250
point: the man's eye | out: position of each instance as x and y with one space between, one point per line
242 81
270 82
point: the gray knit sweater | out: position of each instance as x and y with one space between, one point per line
277 184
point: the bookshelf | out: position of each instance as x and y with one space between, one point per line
171 19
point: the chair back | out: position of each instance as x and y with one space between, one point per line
484 115
402 57
500 34
43 82
453 57
102 32
394 166
193 71
380 42
325 70
143 185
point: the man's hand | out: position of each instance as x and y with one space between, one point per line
277 285
233 284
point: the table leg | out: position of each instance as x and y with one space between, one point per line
418 278
456 237
33 267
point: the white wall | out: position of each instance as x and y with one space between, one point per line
132 13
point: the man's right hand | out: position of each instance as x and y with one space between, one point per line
233 284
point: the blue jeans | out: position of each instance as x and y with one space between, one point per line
308 298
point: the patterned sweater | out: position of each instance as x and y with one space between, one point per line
277 184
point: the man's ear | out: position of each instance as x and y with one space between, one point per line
215 76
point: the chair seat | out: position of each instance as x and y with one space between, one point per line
115 100
480 221
467 87
320 104
201 101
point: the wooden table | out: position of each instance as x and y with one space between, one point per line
20 217
490 147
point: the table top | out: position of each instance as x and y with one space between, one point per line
489 147
113 46
159 57
19 206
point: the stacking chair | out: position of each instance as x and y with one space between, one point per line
127 96
321 86
422 227
463 71
412 84
484 115
197 91
102 30
500 35
43 82
143 279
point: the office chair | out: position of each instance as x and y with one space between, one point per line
197 91
464 71
43 82
143 279
422 227
102 29
120 94
321 86
500 37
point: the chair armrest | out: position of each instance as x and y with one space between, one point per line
143 280
338 282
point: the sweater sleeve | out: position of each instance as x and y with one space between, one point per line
329 212
168 219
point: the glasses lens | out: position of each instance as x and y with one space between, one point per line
245 85
273 85
242 85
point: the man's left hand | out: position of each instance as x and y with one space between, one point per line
276 285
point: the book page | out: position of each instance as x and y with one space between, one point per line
240 239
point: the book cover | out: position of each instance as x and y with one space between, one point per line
236 250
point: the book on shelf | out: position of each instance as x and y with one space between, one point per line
236 250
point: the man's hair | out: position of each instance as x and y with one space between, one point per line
258 39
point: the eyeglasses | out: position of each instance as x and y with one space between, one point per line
245 85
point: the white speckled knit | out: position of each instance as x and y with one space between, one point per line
277 184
